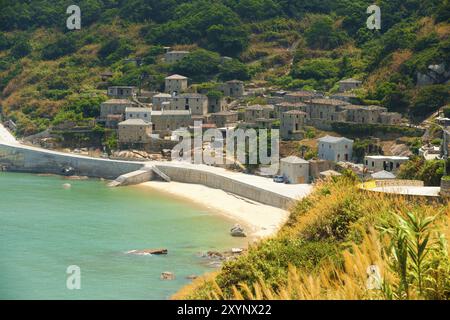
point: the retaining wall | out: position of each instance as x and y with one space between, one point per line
210 179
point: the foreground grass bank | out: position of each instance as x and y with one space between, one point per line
343 243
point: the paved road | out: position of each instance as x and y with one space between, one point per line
6 136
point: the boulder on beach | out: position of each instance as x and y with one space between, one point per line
166 275
237 231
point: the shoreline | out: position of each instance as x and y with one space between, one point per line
259 220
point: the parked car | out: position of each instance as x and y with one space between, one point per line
278 179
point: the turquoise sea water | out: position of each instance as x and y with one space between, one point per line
45 228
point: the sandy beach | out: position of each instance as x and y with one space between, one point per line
263 220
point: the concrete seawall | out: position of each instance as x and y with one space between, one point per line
217 181
34 160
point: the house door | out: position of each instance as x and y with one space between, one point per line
301 180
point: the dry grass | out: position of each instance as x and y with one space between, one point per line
365 244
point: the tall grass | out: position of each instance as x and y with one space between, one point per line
377 247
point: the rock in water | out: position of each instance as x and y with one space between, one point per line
67 186
167 275
237 231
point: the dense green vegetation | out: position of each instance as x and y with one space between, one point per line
42 64
430 172
330 240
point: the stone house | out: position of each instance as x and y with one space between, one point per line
195 102
224 119
133 131
282 107
316 166
176 84
263 123
113 120
170 120
257 112
292 123
158 100
294 170
386 163
233 88
335 148
390 118
114 106
171 57
363 114
326 109
138 113
301 96
122 92
216 104
349 84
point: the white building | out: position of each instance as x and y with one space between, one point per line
335 148
295 170
138 113
386 163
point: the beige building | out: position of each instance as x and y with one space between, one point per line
349 84
292 124
224 119
158 99
294 170
176 84
134 131
121 92
170 120
257 112
138 113
174 56
195 102
114 106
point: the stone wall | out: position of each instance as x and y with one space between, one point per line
445 188
399 183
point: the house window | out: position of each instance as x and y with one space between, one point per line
373 164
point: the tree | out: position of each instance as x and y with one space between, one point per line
234 69
198 65
429 99
64 45
21 48
323 35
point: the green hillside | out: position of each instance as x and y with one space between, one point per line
49 74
